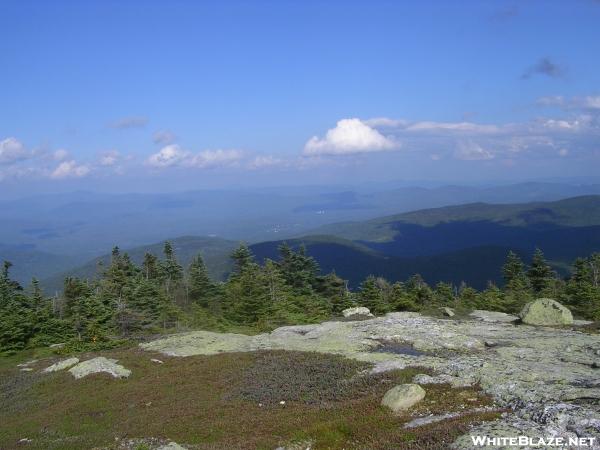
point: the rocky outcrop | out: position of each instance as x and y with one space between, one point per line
98 365
546 377
402 397
493 316
61 365
545 311
358 311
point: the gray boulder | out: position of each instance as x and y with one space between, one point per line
403 396
545 311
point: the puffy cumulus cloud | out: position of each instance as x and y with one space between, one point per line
70 169
350 136
472 151
173 155
60 154
12 150
168 156
126 123
109 158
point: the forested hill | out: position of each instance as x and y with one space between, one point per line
214 251
465 242
580 211
453 244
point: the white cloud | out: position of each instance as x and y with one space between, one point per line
563 125
458 127
168 156
350 136
109 158
472 151
563 152
214 158
69 169
60 154
385 122
11 151
264 161
588 102
591 102
173 155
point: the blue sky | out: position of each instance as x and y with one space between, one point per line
141 95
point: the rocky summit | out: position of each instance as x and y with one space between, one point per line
547 379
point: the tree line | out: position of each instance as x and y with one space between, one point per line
160 295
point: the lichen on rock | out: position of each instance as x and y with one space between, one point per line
402 397
545 311
61 365
98 365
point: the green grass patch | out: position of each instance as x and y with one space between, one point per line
225 401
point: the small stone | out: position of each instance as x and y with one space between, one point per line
157 361
490 344
26 369
402 397
448 311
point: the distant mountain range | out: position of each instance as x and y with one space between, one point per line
455 243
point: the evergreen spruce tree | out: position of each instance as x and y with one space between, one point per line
468 298
517 287
371 296
172 271
16 320
582 291
201 289
419 291
242 258
335 290
513 271
402 300
540 274
299 269
493 299
443 295
150 267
